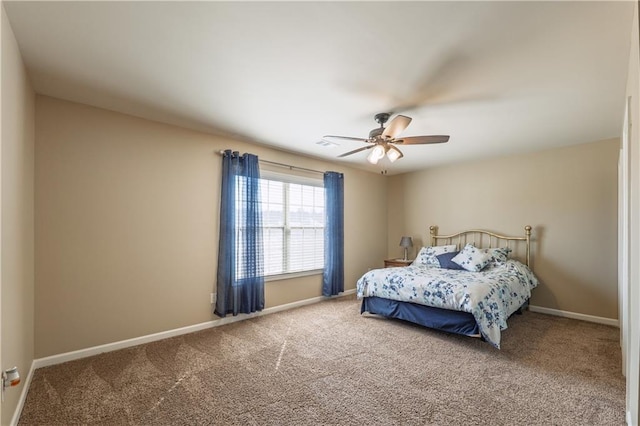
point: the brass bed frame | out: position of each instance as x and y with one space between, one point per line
470 236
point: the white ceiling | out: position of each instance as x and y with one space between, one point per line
499 77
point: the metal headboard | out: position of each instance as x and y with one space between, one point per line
465 237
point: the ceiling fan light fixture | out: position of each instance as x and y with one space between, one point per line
377 153
394 154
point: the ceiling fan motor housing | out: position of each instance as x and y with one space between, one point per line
376 132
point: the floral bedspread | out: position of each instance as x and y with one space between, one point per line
491 295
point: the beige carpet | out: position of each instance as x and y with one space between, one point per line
327 364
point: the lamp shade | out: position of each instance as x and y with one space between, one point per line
406 242
377 153
394 153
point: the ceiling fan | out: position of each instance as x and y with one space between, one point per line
383 140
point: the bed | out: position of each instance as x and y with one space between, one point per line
467 283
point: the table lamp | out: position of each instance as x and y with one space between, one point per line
405 243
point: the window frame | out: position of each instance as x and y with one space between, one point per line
298 179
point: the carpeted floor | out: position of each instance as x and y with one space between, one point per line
327 364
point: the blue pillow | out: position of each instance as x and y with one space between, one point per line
446 263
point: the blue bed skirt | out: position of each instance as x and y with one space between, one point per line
427 316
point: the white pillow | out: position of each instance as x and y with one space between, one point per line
498 254
427 255
472 259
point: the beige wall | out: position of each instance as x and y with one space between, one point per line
568 195
127 231
127 226
17 283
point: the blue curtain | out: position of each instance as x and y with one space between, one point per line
240 284
333 275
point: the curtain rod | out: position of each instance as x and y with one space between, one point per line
288 166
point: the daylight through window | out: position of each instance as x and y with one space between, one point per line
293 224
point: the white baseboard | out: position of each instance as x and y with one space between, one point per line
628 418
575 315
23 395
96 350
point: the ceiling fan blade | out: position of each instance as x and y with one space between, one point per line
355 150
396 126
417 140
338 139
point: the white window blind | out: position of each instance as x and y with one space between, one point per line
293 223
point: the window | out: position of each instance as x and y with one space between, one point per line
293 223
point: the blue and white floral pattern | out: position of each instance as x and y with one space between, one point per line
427 255
491 296
498 254
472 258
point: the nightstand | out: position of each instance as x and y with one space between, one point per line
393 263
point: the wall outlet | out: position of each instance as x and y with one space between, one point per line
213 298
